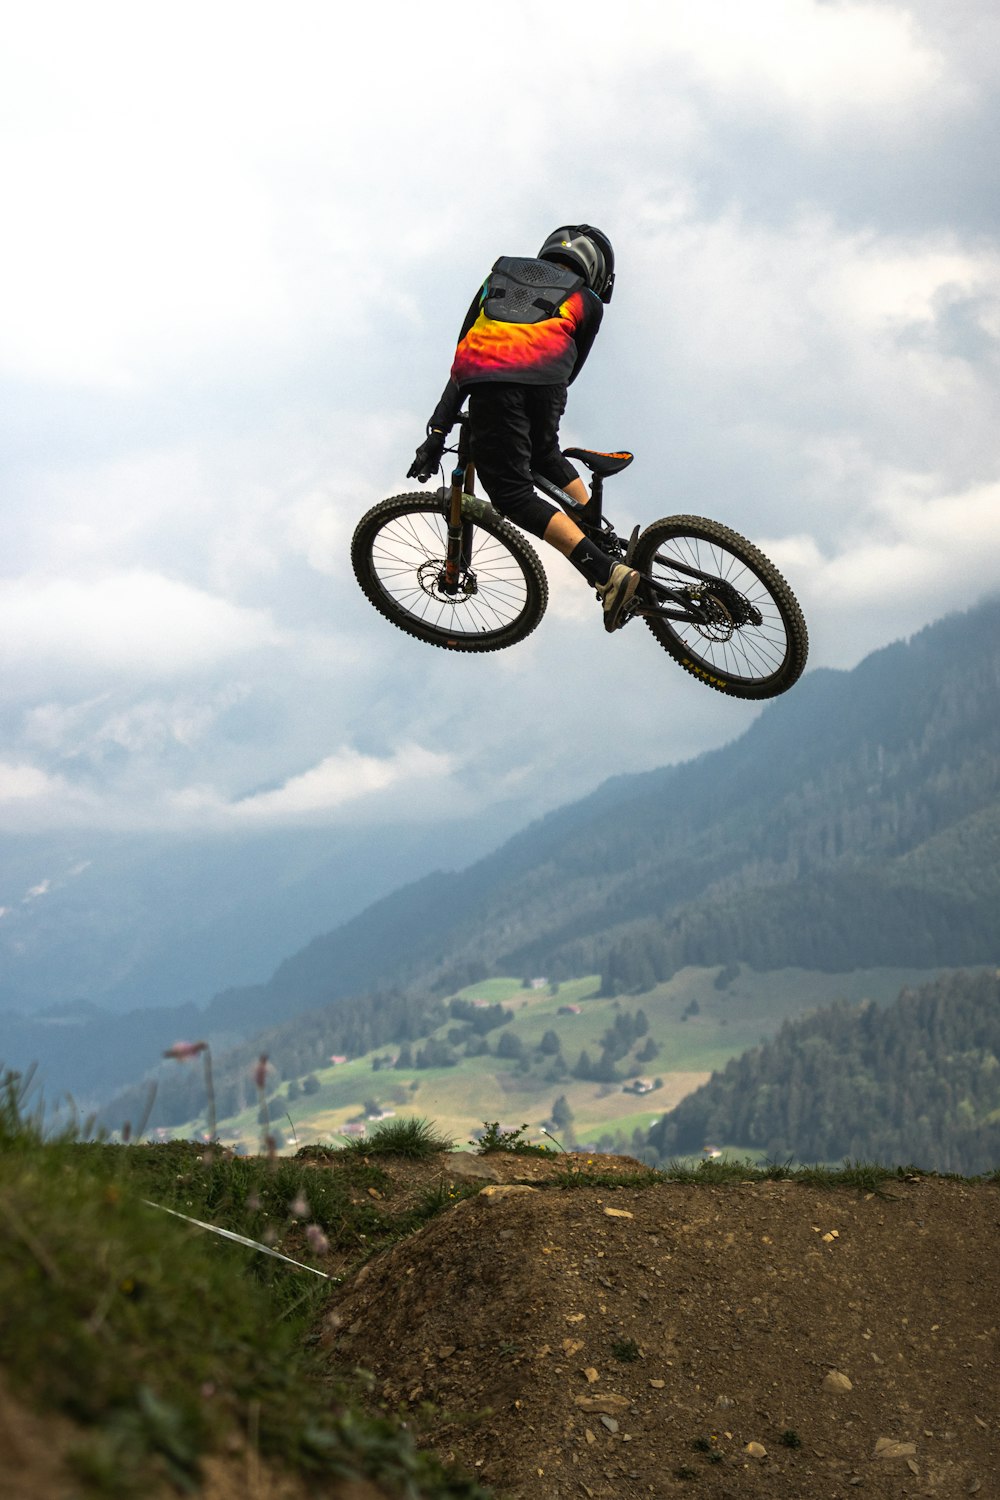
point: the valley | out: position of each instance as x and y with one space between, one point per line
696 1021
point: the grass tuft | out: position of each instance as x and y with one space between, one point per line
493 1139
411 1138
712 1172
866 1176
862 1175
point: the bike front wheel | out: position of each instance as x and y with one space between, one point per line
750 640
399 551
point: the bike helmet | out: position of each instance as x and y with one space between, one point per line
585 249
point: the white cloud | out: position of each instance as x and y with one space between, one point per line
155 724
339 781
738 296
32 798
23 783
137 275
136 623
408 783
808 361
924 556
110 512
947 547
846 59
278 204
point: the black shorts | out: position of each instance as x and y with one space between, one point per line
515 430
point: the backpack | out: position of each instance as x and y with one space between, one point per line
527 291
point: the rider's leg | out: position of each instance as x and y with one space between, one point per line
577 491
614 582
562 533
565 536
502 450
545 406
515 429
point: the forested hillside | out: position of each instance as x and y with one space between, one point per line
937 904
856 822
917 1081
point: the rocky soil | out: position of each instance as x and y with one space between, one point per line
743 1340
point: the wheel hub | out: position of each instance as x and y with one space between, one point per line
716 623
726 610
431 577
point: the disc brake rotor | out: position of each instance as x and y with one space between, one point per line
430 576
716 624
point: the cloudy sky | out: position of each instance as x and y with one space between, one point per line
239 240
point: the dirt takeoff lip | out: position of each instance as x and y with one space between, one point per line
617 1341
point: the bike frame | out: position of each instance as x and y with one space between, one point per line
656 599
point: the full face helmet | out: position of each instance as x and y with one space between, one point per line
587 251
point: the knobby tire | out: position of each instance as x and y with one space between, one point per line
742 659
398 554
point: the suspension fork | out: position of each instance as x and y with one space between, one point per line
458 556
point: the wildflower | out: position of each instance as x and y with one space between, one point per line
318 1242
299 1206
185 1051
260 1072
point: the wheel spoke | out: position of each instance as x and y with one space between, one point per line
748 659
750 651
407 557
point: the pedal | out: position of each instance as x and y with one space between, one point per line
631 544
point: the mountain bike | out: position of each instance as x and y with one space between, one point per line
449 569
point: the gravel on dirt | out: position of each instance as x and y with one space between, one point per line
757 1338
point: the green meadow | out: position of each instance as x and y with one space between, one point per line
698 1021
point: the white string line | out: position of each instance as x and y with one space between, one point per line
240 1239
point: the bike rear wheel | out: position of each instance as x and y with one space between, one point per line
753 642
398 553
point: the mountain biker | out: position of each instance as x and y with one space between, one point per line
525 338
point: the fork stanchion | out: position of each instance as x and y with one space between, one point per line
462 480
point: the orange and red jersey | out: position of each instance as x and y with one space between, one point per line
541 341
549 352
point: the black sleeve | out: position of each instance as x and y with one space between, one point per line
473 312
444 414
587 331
